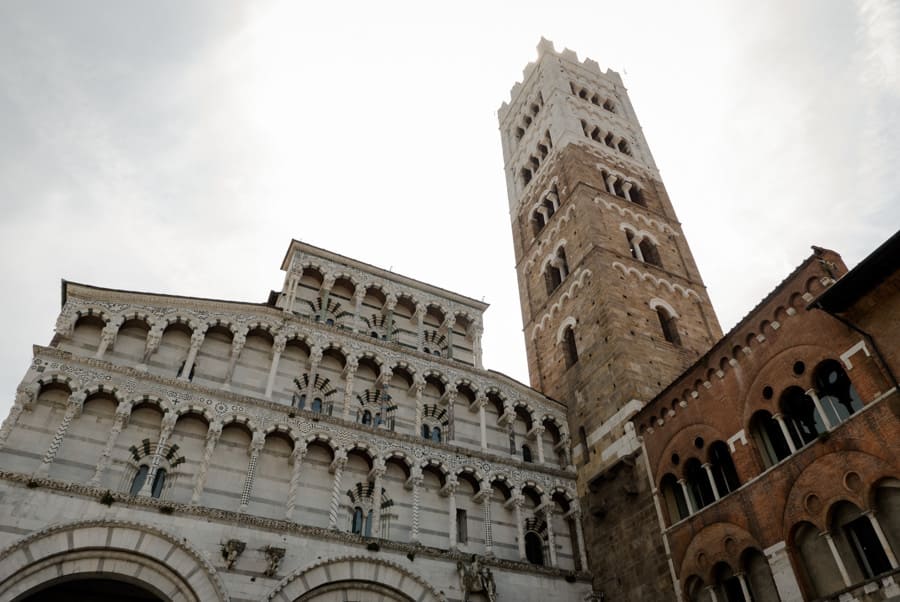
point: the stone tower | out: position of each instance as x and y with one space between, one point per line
613 305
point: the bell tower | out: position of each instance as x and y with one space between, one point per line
613 305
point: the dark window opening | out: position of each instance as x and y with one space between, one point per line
139 479
570 348
867 549
803 421
650 253
462 527
526 454
534 548
669 325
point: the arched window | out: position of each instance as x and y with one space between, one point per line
632 246
426 431
377 421
669 325
537 222
366 417
139 479
698 484
436 434
526 453
330 321
552 278
299 400
368 530
836 393
650 253
769 438
674 498
534 548
356 526
800 414
723 469
570 349
563 263
159 481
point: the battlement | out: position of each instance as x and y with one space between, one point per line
546 48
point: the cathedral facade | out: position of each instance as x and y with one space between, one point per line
343 441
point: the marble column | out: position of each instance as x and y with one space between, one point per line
419 388
876 526
518 502
784 430
538 431
551 538
256 446
482 422
842 569
297 460
579 538
689 502
349 375
196 341
337 467
26 395
416 480
742 579
123 413
484 496
420 327
712 480
73 407
212 437
315 357
107 339
378 474
450 491
358 297
237 345
151 345
277 349
165 431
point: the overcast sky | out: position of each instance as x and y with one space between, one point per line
177 147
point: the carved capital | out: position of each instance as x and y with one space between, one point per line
279 344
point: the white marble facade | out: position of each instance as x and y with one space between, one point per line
340 441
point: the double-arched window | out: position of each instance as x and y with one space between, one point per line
362 522
431 432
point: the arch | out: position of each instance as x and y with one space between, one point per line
87 548
303 582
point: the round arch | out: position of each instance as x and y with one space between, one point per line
354 574
109 550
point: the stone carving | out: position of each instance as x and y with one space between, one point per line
274 556
476 578
231 551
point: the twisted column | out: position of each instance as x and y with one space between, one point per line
420 327
419 388
256 446
123 412
417 481
451 415
73 407
277 349
212 437
338 466
165 431
297 460
350 369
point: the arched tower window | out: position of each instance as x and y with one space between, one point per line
632 245
159 481
669 325
526 454
570 348
650 253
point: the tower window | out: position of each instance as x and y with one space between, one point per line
426 432
436 434
526 454
552 278
650 253
570 348
629 235
669 325
138 482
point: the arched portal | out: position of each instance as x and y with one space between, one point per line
354 578
112 557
